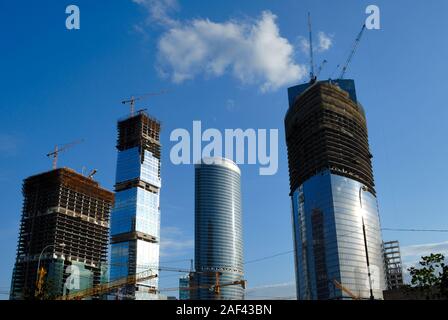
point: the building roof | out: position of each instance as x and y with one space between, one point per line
219 161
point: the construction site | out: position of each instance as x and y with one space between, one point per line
65 222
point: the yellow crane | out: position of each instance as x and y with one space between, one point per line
40 281
346 290
147 275
216 288
110 286
218 285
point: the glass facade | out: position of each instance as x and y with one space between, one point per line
328 212
218 229
184 286
135 222
337 235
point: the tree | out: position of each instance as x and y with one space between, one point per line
431 278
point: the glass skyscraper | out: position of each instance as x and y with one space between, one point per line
337 235
135 221
218 230
184 287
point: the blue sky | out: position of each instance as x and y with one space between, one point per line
59 85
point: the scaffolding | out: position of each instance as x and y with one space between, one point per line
326 130
139 131
65 220
393 265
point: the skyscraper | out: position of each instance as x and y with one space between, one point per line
393 266
64 231
218 230
135 221
184 287
337 233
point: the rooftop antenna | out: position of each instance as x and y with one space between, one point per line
312 76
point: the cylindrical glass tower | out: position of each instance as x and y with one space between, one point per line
337 233
218 230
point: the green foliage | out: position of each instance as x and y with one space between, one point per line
431 277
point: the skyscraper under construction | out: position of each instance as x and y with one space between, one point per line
135 221
63 232
337 237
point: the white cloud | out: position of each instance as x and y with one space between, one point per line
412 254
159 11
304 45
416 251
173 242
253 53
324 43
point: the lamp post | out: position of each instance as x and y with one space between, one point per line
364 188
62 245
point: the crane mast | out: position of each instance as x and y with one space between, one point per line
312 76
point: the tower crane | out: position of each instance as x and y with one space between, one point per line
147 275
218 284
110 286
131 101
119 283
310 35
216 287
313 75
58 149
352 52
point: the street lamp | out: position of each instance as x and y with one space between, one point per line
364 188
62 245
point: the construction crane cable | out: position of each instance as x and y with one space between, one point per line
353 51
269 257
